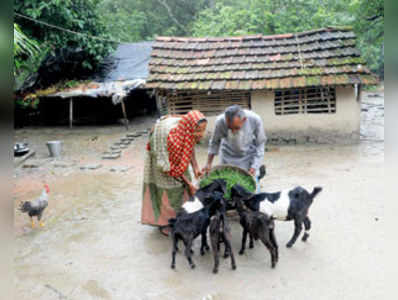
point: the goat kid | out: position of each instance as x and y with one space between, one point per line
220 232
287 205
202 197
187 227
259 226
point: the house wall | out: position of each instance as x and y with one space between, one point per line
342 126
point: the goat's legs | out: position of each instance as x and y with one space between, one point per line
188 253
244 237
273 241
214 239
251 245
298 226
204 245
307 227
175 249
267 243
227 243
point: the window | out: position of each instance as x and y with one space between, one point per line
320 100
209 103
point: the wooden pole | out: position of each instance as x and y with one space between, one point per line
124 114
70 112
359 94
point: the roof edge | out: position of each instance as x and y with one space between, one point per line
250 37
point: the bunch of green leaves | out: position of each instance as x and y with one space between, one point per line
232 177
23 47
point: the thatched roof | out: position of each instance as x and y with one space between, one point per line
319 57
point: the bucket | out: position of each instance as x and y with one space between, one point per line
54 147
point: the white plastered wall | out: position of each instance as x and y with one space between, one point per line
342 126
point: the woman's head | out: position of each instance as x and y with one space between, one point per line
200 129
197 123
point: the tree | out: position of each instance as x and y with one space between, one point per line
75 15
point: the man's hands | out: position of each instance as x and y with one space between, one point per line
198 173
207 168
252 171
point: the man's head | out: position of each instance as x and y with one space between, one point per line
235 117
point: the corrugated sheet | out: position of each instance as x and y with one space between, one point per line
318 57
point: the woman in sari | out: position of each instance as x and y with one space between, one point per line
167 179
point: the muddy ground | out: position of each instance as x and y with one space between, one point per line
94 247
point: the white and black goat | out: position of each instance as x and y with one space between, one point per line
188 226
286 205
203 196
257 225
220 232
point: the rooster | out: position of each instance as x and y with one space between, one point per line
36 207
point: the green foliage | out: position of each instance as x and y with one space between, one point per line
234 17
22 44
137 20
76 15
369 26
24 48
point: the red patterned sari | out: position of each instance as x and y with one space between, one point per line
169 153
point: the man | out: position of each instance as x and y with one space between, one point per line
240 135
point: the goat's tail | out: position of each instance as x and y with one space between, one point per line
316 191
25 206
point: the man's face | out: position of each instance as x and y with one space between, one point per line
236 124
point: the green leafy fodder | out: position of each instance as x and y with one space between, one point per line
232 177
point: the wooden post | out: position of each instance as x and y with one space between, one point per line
124 114
70 113
359 92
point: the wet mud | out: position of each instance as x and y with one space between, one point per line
94 247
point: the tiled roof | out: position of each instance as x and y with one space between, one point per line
319 57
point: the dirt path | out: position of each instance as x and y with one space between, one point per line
93 246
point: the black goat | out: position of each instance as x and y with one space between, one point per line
220 232
286 205
259 226
203 196
187 227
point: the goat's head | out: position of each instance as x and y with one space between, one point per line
239 192
205 193
301 194
216 202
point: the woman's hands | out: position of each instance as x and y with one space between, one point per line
192 189
196 170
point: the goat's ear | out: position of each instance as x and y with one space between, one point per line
258 197
316 191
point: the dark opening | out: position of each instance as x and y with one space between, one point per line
86 110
